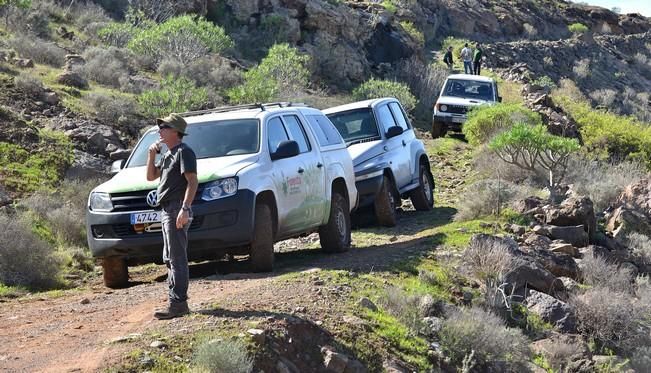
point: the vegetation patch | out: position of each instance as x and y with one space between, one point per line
375 88
486 121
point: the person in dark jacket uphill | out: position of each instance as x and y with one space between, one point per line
177 170
447 58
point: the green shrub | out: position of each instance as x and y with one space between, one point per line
117 34
183 38
577 28
485 121
25 260
375 88
493 346
545 82
282 73
110 108
106 66
30 85
176 95
403 307
38 50
414 32
607 136
222 356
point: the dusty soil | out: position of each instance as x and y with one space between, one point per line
74 332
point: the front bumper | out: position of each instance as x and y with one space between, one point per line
368 186
450 122
217 225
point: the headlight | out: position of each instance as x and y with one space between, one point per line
100 202
219 189
443 107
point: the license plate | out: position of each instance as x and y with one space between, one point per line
146 217
458 120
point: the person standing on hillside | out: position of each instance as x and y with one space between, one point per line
466 56
476 60
448 59
177 170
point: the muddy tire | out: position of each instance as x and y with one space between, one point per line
423 197
437 129
116 272
385 204
335 235
262 246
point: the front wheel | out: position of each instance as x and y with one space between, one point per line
385 204
335 235
423 196
116 272
262 246
438 129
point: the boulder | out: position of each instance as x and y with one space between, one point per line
50 98
538 240
557 263
637 196
561 247
624 221
552 310
574 235
22 62
573 211
5 199
533 276
486 240
72 79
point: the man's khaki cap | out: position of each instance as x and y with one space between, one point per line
174 121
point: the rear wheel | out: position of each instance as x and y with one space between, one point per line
385 204
116 272
438 129
423 196
335 235
262 246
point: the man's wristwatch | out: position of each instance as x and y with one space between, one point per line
186 208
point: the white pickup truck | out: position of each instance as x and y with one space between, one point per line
460 93
266 173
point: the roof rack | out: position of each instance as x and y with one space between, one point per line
260 106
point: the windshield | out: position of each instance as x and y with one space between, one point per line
208 140
471 89
355 124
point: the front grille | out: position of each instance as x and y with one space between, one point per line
457 109
137 201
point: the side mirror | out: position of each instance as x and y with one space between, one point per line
286 149
499 98
394 131
116 166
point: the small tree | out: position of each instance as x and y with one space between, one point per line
529 146
282 73
375 88
578 28
174 96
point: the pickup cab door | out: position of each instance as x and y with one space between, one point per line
408 137
396 147
298 180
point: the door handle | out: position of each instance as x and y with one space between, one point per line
404 143
301 170
319 165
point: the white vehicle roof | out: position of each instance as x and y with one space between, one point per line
358 105
247 113
478 78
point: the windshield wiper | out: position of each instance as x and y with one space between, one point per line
359 141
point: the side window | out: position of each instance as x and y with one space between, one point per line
326 132
399 115
297 132
385 117
277 134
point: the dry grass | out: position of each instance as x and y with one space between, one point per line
489 259
222 356
38 50
488 197
106 66
597 271
404 307
560 353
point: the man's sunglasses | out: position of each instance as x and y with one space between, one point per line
164 126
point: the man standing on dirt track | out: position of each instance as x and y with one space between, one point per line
177 170
476 60
466 56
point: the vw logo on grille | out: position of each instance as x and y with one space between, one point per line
152 198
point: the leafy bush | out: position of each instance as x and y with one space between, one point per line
607 136
487 197
602 181
611 318
545 82
414 32
577 28
29 85
174 96
493 346
375 88
283 73
486 121
110 108
182 38
604 97
222 356
582 68
597 271
25 260
38 50
106 66
117 34
214 72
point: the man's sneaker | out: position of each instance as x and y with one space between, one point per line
173 310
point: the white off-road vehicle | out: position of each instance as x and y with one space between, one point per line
460 93
266 173
390 162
